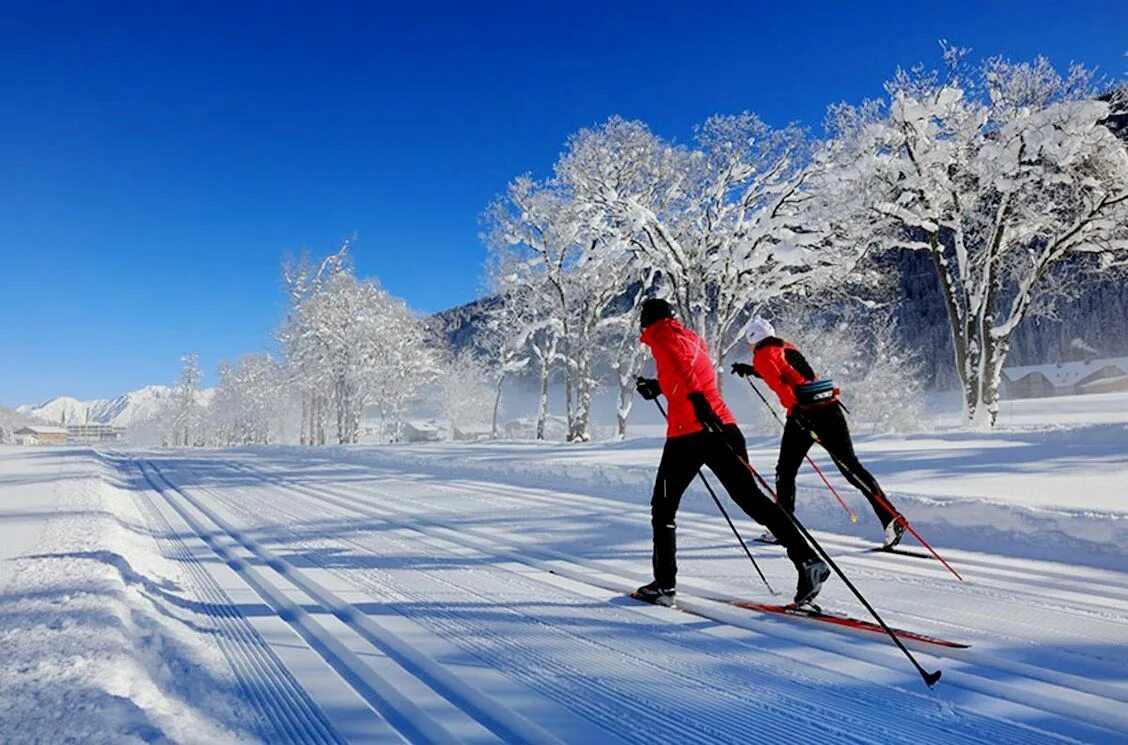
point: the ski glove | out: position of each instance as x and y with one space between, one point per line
744 370
648 388
704 412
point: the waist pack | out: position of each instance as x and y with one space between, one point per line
816 393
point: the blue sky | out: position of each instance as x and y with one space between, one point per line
158 159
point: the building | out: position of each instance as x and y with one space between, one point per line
1066 378
36 435
94 433
415 430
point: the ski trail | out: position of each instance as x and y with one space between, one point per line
266 684
542 669
1003 733
1038 691
1087 625
420 699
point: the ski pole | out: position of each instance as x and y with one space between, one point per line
724 512
853 517
882 501
929 678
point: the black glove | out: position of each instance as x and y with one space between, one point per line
743 370
648 388
704 412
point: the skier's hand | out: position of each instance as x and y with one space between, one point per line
648 388
743 370
704 412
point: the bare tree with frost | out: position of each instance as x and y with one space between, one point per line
187 414
723 225
1001 174
249 403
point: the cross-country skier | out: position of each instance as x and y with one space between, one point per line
702 431
813 410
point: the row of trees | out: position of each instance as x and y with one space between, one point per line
346 346
1005 174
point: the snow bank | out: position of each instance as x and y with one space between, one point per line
91 646
1054 493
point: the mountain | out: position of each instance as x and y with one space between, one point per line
56 411
121 411
131 407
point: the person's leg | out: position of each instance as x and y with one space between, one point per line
681 460
727 457
793 447
833 432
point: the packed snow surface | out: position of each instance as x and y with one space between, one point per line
476 593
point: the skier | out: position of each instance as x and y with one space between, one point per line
813 411
702 431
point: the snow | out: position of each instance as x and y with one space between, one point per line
121 411
1064 374
473 592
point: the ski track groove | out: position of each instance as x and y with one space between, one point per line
534 673
352 498
1002 665
869 567
612 510
274 694
501 722
875 566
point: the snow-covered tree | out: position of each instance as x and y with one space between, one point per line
350 345
1001 174
303 352
249 405
722 226
187 415
541 243
469 400
506 344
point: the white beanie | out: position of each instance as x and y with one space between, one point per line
757 330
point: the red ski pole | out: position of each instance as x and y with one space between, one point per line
877 492
896 515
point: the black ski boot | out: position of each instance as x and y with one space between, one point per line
894 531
652 593
811 577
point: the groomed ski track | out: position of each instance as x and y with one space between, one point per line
378 605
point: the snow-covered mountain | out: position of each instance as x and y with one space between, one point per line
121 411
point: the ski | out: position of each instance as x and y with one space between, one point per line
898 551
814 613
768 541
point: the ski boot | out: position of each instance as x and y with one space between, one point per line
894 531
652 593
811 577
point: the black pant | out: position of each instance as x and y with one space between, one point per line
829 423
726 456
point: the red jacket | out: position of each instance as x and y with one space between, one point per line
684 367
782 367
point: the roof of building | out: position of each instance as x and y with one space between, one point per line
36 429
1063 374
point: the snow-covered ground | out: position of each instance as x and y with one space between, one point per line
474 593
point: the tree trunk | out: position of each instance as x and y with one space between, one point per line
496 406
542 404
623 411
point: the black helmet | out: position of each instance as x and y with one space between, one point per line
654 309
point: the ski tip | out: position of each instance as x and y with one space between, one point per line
931 678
